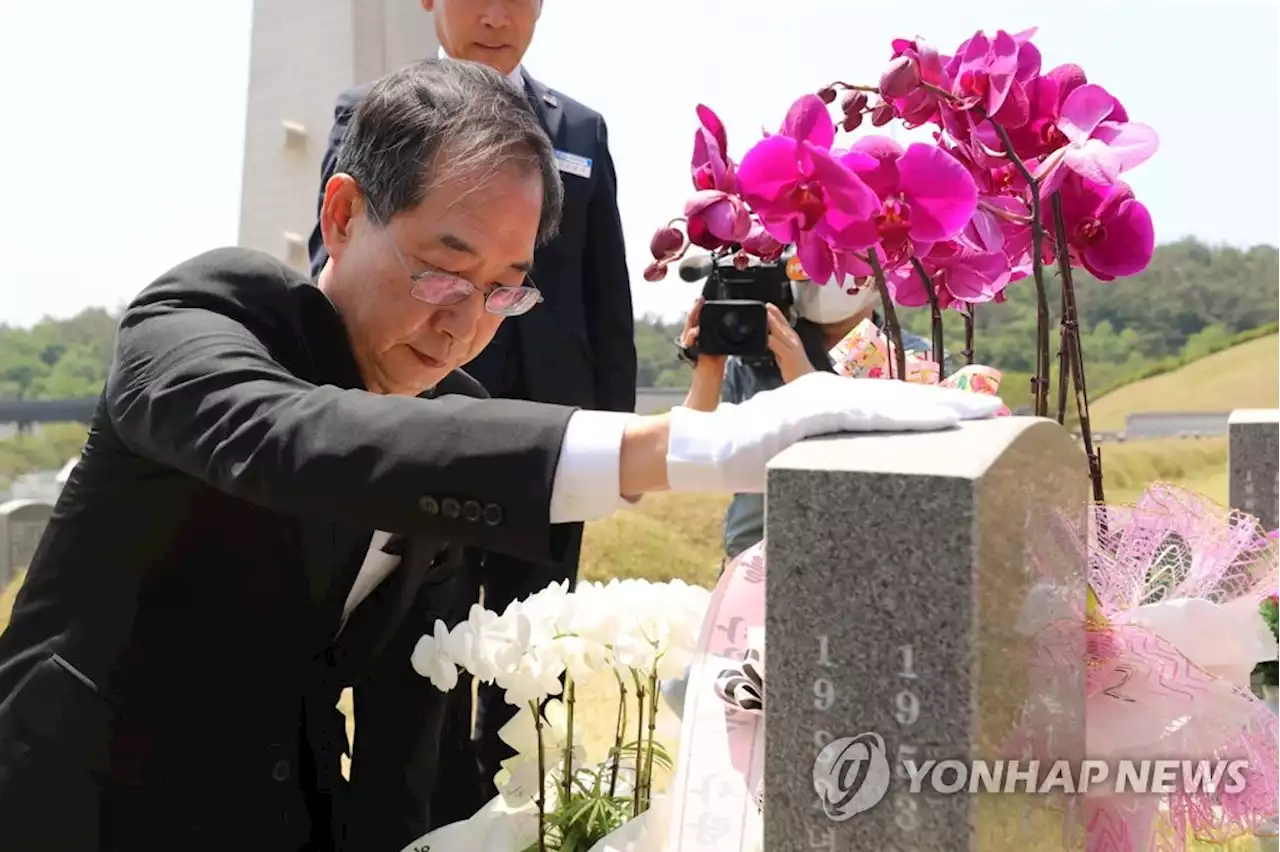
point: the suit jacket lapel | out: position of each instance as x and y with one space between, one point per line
375 619
545 104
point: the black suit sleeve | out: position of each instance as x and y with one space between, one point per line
342 112
196 386
610 322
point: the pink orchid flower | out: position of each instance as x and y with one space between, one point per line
998 226
926 195
714 219
1001 221
711 166
920 105
1109 232
760 243
991 74
959 274
804 195
990 78
1040 135
1099 147
715 216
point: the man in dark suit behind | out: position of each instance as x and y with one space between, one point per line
580 348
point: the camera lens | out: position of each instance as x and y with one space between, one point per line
735 331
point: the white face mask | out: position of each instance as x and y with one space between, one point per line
831 303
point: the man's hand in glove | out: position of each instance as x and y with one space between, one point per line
726 450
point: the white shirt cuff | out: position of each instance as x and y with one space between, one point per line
587 484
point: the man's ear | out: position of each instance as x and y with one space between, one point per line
342 200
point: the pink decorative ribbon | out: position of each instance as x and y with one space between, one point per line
720 771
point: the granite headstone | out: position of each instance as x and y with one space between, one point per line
1254 463
22 522
913 582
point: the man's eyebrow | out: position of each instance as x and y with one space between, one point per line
455 243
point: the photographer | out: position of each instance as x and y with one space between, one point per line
825 314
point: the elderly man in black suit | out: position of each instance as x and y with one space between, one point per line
266 513
579 350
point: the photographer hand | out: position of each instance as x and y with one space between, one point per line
786 347
708 372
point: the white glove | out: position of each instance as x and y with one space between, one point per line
726 450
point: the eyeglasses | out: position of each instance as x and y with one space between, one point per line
444 289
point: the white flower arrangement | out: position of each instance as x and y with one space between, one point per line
634 631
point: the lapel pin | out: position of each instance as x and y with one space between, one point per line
550 100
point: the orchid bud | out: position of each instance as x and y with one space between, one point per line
882 114
901 78
655 272
665 243
854 102
760 243
827 94
851 122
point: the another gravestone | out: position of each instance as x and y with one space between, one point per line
1254 462
914 583
22 522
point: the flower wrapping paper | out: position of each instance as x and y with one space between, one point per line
865 353
1172 632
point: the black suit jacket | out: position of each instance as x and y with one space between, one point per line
170 674
578 347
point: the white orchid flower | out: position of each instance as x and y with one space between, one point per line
500 643
431 659
583 658
535 676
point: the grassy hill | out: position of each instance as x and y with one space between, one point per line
1244 376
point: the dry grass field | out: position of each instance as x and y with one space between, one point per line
1244 376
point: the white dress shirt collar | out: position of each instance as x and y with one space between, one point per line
516 76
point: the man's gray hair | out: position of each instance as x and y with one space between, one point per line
446 119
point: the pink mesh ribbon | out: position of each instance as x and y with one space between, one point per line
1178 581
719 778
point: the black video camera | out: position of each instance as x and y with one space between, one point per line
734 320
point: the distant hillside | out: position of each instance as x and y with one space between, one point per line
1192 296
1245 376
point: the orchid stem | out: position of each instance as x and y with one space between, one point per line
890 319
939 91
653 724
635 789
542 779
875 90
567 781
1064 343
619 730
935 317
1074 353
968 333
1040 383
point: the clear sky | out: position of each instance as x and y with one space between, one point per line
124 121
